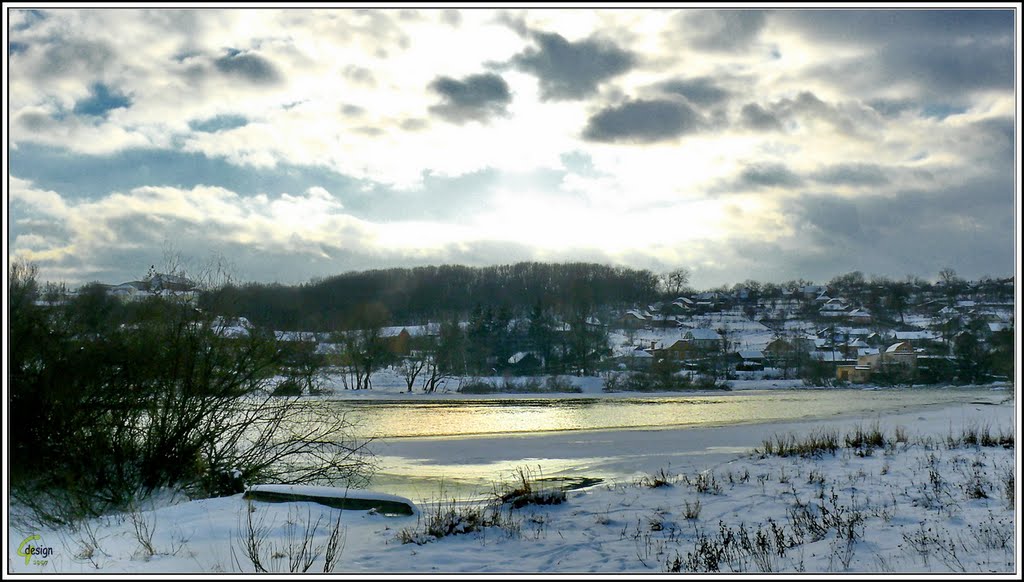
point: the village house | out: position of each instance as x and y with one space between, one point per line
679 351
853 373
899 359
703 338
632 319
859 316
750 360
637 359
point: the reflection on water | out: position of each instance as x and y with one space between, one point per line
428 450
489 417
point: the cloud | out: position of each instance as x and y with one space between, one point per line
452 18
642 121
773 106
80 177
699 91
572 70
35 120
474 98
282 237
210 216
75 56
352 110
24 19
248 66
753 116
768 176
892 108
914 231
719 30
359 75
865 27
943 55
852 175
851 119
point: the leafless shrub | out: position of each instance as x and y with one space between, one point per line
526 489
144 528
300 547
442 519
692 510
707 483
659 478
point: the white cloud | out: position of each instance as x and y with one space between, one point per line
302 73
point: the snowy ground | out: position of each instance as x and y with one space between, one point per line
922 504
388 384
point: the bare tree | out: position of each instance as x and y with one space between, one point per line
675 281
410 368
435 373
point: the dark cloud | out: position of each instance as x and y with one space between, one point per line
753 116
219 123
891 107
868 27
951 69
572 70
852 175
35 121
944 53
805 107
78 176
1000 133
642 121
101 101
720 30
16 48
834 220
806 103
474 98
915 231
249 66
699 91
768 175
75 57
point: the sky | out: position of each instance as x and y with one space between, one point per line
294 143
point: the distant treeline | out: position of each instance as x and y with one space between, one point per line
409 295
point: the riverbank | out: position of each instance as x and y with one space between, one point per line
926 501
388 384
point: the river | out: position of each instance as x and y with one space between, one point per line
463 448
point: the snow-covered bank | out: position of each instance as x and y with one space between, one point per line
917 505
388 384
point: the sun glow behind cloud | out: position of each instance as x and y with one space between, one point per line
717 139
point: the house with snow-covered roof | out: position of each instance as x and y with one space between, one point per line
859 315
632 319
704 338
